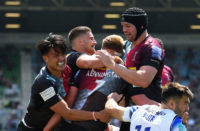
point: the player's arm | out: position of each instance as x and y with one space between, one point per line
142 99
116 111
89 61
76 115
142 77
55 119
71 96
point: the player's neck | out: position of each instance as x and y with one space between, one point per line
141 38
165 106
55 73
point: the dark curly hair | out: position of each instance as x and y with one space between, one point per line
52 41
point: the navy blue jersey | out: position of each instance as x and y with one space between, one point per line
71 62
46 91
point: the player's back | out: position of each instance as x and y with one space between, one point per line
152 118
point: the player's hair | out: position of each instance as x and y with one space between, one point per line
77 31
52 41
175 91
137 17
113 42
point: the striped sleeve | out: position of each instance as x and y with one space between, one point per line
177 124
128 113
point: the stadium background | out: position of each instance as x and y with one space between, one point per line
25 22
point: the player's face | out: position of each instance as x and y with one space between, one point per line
183 105
129 31
89 43
55 60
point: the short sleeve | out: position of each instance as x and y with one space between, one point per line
72 58
152 56
177 124
66 77
47 91
128 113
133 90
71 62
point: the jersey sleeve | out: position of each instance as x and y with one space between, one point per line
66 77
133 90
128 113
47 91
72 58
71 62
177 125
152 55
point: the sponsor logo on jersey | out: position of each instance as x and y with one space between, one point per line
93 73
48 93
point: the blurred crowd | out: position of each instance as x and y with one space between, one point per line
11 110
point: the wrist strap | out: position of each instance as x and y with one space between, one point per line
94 118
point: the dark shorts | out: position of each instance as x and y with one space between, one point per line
65 126
22 127
125 126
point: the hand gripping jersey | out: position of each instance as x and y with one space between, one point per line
46 91
152 118
167 75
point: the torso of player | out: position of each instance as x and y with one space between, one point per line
143 53
88 80
152 118
44 94
147 53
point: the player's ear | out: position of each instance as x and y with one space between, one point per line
45 58
172 104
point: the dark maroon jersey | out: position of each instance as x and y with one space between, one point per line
147 53
167 75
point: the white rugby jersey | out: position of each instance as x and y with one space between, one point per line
152 118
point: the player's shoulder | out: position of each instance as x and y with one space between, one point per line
44 77
151 42
177 124
73 54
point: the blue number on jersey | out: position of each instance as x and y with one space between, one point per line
138 128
